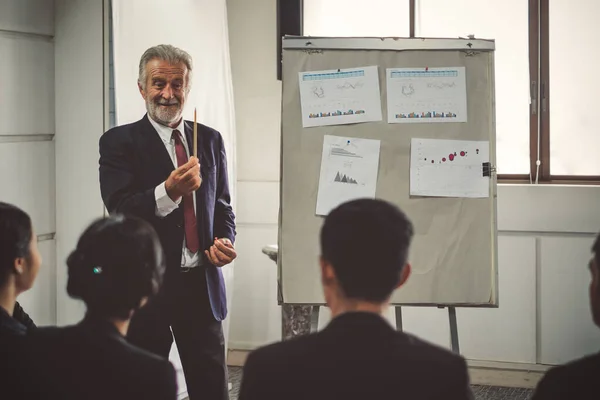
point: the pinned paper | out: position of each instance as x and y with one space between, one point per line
348 171
342 96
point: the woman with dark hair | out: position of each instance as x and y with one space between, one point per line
19 264
116 267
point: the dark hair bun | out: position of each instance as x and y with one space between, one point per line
117 262
82 281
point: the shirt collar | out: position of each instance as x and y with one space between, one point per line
166 132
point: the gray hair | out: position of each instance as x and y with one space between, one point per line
165 52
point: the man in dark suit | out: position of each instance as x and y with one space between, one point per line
578 379
364 250
147 169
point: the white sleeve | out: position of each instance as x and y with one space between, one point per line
164 204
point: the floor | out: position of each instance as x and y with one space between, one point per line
481 392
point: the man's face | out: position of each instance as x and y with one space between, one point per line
165 91
595 291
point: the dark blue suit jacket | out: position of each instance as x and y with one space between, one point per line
357 356
134 160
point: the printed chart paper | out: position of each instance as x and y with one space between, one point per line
348 171
421 95
337 97
449 168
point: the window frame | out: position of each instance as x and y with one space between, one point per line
539 109
545 175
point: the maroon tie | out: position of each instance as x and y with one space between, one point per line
189 216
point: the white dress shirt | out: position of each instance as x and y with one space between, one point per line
164 204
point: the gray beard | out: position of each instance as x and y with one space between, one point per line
163 116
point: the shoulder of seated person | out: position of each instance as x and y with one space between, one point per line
290 347
46 332
46 336
147 356
426 350
578 368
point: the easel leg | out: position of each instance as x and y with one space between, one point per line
398 310
286 315
453 330
314 319
296 320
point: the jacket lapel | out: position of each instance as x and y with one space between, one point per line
155 148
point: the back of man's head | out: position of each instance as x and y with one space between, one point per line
366 242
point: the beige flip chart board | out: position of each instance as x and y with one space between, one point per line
454 252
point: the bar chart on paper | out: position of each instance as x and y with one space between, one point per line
426 95
448 168
337 97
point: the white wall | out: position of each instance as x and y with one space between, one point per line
80 118
26 134
544 239
257 94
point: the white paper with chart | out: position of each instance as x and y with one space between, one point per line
449 168
337 97
348 171
422 95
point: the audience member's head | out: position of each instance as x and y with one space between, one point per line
117 265
20 259
364 253
595 283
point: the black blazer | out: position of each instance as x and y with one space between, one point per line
16 325
92 361
357 356
133 161
577 380
12 330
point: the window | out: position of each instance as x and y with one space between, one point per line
460 18
542 48
572 63
352 18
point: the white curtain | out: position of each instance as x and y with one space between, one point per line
200 28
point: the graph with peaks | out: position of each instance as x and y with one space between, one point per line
342 178
348 171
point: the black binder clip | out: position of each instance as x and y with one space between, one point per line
487 169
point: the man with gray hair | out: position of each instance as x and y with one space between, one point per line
148 169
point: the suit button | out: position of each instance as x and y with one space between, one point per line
179 225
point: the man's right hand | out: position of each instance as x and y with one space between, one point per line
184 180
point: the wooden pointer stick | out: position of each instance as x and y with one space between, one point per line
195 136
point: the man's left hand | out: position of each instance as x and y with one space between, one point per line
221 252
